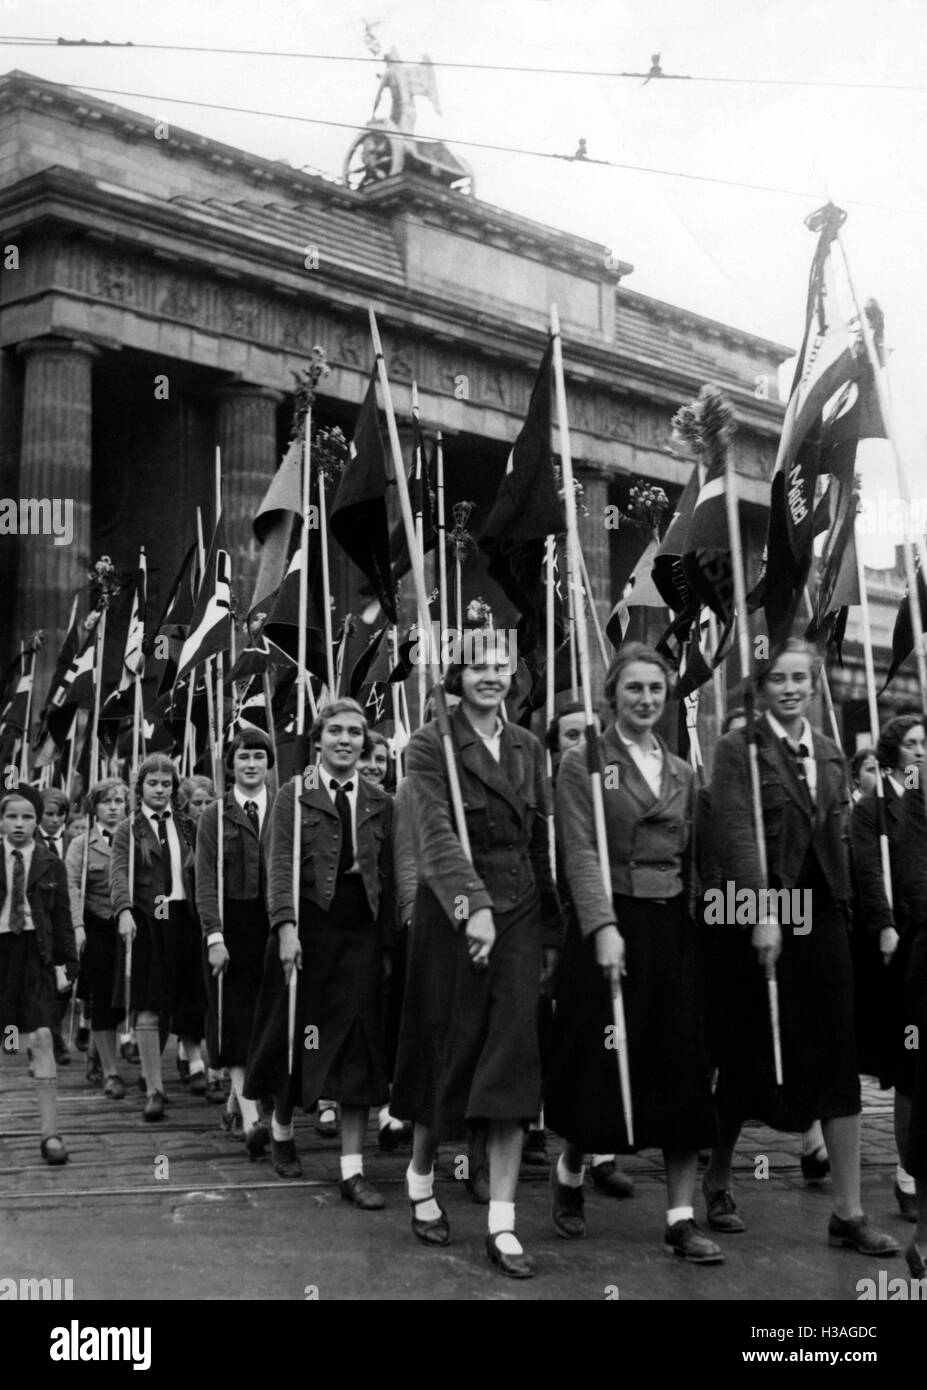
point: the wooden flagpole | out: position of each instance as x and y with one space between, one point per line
442 544
550 688
582 643
872 701
418 573
394 689
912 539
219 775
97 694
326 581
24 746
419 518
743 643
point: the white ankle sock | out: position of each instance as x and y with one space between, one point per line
350 1165
567 1178
383 1116
280 1133
596 1159
421 1187
679 1214
502 1226
905 1181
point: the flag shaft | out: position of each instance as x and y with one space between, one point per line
97 695
326 583
869 666
904 485
550 693
394 691
418 573
302 680
27 717
442 541
582 649
599 634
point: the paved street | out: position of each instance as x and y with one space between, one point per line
215 1225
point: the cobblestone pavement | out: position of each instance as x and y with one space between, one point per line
176 1210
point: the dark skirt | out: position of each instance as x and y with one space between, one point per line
880 1011
915 1161
468 1040
246 932
814 975
167 971
338 1050
395 991
667 1053
98 973
28 996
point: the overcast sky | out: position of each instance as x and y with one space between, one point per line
737 255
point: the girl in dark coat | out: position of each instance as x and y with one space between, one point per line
156 913
95 926
336 941
884 934
483 935
801 931
236 941
644 933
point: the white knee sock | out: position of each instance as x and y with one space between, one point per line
502 1226
350 1165
567 1178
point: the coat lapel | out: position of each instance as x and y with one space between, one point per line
782 764
505 777
318 798
630 777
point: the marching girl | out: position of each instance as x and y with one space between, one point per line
805 810
883 934
483 935
235 943
157 917
95 926
345 921
643 935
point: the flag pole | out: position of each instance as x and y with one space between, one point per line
912 539
421 673
394 688
442 542
582 642
326 582
219 774
873 705
550 690
743 643
418 573
27 718
97 693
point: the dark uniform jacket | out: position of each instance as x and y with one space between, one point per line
47 892
792 824
243 867
320 847
507 805
648 837
149 870
906 830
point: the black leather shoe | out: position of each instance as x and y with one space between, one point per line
62 1054
566 1208
328 1128
391 1136
478 1186
815 1167
534 1149
114 1088
916 1262
358 1190
154 1106
858 1234
284 1159
53 1151
82 1040
435 1232
515 1266
609 1179
256 1140
722 1211
684 1238
95 1072
198 1083
907 1203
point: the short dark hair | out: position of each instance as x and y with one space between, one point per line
626 655
737 713
552 737
858 758
249 738
892 737
53 796
23 793
101 790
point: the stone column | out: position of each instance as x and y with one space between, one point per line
246 432
55 468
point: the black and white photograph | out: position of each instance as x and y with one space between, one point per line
463 686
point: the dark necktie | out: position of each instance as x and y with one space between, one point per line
343 807
18 895
251 811
163 819
53 846
107 836
798 756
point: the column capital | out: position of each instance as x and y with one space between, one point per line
237 388
53 343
